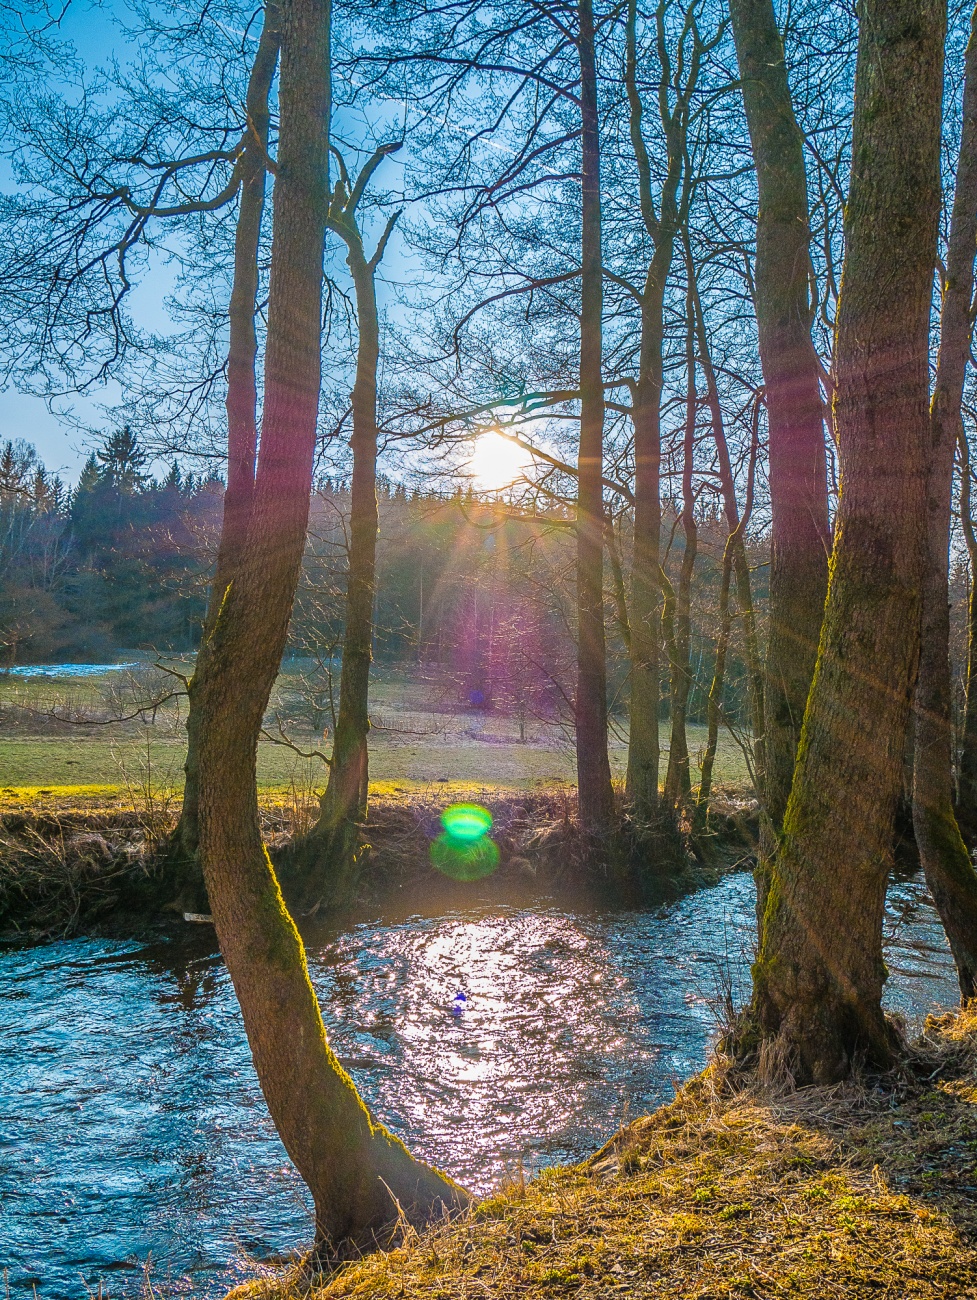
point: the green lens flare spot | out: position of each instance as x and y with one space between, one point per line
466 821
465 859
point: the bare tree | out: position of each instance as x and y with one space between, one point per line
949 871
819 975
360 1176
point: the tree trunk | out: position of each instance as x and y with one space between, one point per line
737 526
678 777
714 707
644 737
647 589
967 776
345 799
596 796
354 1167
946 863
333 842
242 394
819 974
800 537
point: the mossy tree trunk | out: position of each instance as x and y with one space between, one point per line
946 863
241 402
819 973
332 847
800 537
596 796
353 1166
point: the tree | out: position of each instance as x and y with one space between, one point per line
360 1176
33 555
678 775
345 799
241 403
800 534
596 798
946 863
819 973
663 225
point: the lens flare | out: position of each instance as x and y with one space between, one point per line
465 859
464 851
466 821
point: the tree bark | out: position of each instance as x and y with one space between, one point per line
354 1167
241 402
946 863
800 537
819 974
596 796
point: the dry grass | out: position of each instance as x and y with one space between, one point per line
77 855
731 1192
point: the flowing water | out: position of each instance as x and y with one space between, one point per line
132 1128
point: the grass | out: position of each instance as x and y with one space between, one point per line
75 761
736 1190
417 739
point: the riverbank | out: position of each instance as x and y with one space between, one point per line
733 1191
78 859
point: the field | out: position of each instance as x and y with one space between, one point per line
61 736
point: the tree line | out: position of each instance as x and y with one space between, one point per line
471 596
120 560
682 253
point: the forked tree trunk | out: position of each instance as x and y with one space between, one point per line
819 974
242 393
334 840
647 588
946 863
800 537
353 1167
595 793
345 799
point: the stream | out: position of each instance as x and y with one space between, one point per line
134 1140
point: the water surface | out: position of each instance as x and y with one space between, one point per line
68 670
132 1127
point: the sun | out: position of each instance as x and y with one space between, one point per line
496 463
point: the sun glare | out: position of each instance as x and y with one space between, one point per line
496 463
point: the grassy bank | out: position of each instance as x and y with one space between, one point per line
76 857
732 1192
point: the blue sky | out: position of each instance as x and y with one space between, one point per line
62 440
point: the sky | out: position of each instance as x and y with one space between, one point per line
64 441
59 444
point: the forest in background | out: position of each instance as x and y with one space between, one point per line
467 584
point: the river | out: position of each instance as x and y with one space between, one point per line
133 1134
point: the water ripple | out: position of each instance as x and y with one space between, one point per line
132 1126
